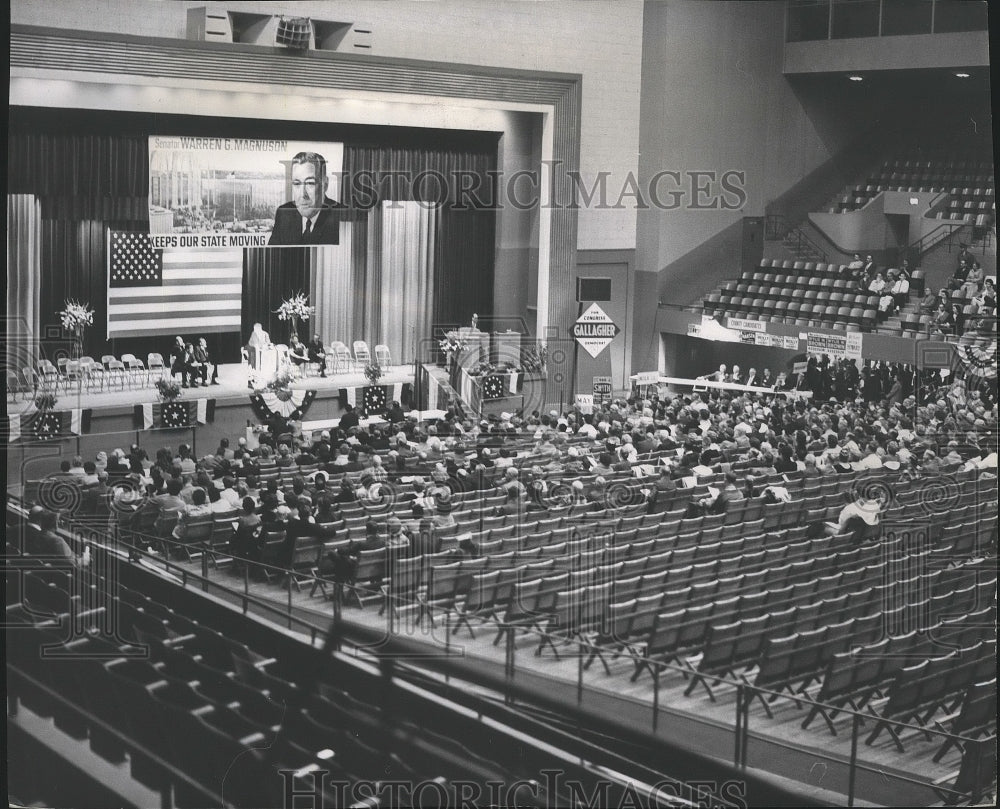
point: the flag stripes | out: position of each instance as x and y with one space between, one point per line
148 288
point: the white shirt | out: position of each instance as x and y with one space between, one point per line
901 287
867 511
868 462
310 219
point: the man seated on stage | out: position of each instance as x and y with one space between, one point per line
203 358
259 340
311 216
176 354
317 353
191 364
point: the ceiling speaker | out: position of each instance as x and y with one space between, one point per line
294 33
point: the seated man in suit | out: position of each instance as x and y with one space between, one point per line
176 354
317 353
191 365
310 217
203 358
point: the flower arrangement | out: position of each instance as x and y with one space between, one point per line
374 372
533 358
452 343
296 308
167 389
483 369
76 316
282 384
45 401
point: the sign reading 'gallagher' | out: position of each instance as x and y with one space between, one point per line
594 330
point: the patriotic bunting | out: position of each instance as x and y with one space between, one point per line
172 415
493 387
290 404
45 425
375 402
375 399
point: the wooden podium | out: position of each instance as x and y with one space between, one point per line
264 365
477 346
506 347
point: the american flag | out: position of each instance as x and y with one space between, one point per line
153 292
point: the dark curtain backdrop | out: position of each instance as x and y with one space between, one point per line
463 265
376 172
270 275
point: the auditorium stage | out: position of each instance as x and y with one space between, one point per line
232 385
96 421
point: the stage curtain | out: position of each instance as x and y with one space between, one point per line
74 267
463 265
24 249
407 277
81 176
368 305
270 275
375 173
332 289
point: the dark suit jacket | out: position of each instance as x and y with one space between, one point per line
288 225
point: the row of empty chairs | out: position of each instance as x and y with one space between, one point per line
963 180
86 373
803 293
130 372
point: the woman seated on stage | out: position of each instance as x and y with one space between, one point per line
297 352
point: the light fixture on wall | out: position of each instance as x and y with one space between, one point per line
856 77
294 33
962 75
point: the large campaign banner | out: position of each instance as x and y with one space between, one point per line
215 192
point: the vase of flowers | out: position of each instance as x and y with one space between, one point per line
533 358
451 344
167 389
296 308
281 385
75 317
374 372
45 402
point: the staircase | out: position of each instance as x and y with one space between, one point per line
793 238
